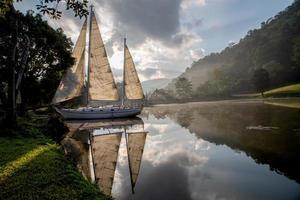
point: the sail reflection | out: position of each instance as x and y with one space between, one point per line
105 149
104 140
135 143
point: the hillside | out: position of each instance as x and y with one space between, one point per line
275 48
151 85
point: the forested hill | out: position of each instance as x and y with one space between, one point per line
274 49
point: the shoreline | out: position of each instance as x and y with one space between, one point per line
246 100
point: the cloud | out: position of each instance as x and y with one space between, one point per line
159 180
140 19
194 24
158 40
188 3
196 54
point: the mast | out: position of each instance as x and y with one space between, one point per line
123 84
89 57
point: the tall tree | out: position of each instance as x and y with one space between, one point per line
48 55
183 88
8 12
261 80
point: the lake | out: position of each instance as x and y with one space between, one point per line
209 150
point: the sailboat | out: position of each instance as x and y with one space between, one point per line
99 86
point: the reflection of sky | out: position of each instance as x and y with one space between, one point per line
178 165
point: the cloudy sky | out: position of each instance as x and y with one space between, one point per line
166 36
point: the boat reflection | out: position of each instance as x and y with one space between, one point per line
103 144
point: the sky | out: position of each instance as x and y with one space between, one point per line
167 36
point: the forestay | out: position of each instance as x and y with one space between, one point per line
133 87
72 83
101 82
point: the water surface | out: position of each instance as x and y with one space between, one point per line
217 150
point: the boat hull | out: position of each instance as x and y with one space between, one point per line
97 113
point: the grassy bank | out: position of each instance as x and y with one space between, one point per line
35 168
287 91
32 166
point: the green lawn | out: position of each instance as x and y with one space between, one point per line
35 168
287 91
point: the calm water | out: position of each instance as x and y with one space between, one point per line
218 150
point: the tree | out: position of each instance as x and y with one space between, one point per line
183 88
296 51
48 55
161 96
261 80
8 12
49 7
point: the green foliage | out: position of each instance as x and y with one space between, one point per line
37 169
55 128
183 88
162 96
50 7
43 123
5 6
296 50
261 80
49 56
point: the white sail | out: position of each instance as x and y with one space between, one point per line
72 83
133 87
101 82
105 149
136 143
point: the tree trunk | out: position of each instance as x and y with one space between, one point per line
23 105
11 104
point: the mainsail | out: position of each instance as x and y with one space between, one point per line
135 149
101 82
105 149
72 83
133 88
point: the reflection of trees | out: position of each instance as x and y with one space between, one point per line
225 123
185 118
76 148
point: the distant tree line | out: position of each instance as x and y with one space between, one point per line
265 58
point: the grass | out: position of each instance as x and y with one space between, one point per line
32 166
287 91
36 169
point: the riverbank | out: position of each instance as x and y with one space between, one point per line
33 166
283 102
